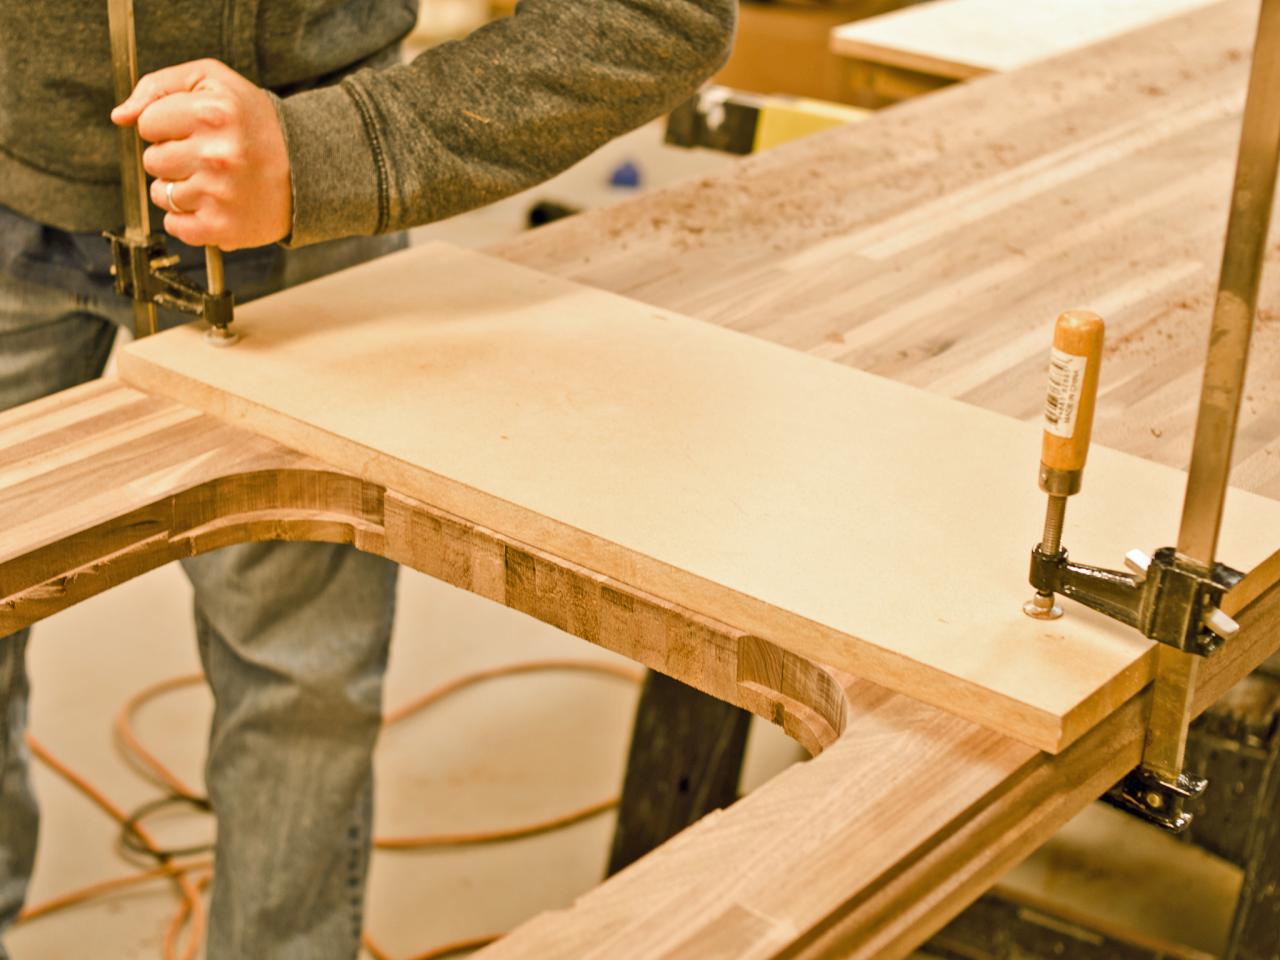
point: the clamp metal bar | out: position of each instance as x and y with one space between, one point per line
140 265
1224 376
133 178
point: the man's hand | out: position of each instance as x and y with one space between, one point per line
216 138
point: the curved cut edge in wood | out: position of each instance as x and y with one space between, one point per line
801 697
199 505
292 504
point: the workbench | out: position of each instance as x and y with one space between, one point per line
932 244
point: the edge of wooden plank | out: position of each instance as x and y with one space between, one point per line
856 48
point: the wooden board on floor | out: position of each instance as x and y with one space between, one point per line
967 38
861 523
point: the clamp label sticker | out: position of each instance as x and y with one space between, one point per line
1066 383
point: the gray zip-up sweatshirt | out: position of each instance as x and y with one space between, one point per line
371 150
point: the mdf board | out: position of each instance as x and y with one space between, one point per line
967 38
858 522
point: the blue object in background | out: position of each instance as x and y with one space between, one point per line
625 174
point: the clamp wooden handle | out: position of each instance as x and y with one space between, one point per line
1073 390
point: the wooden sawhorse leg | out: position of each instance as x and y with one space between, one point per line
685 760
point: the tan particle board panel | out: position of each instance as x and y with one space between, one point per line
967 38
859 522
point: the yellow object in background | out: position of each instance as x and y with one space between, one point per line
734 121
787 118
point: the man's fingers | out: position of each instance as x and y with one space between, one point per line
182 78
185 196
173 160
190 228
174 117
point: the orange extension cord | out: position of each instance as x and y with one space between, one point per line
190 877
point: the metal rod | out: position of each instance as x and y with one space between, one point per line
1224 374
1054 515
133 178
213 268
1042 606
1237 298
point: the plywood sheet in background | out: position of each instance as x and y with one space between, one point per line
967 38
860 522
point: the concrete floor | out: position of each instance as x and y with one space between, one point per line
495 755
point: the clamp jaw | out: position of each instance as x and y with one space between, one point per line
1165 597
145 273
1170 600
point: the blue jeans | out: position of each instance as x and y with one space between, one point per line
293 638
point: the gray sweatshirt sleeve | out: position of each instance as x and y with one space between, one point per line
477 119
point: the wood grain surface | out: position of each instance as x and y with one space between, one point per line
936 243
877 528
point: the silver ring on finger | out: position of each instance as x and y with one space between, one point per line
168 196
